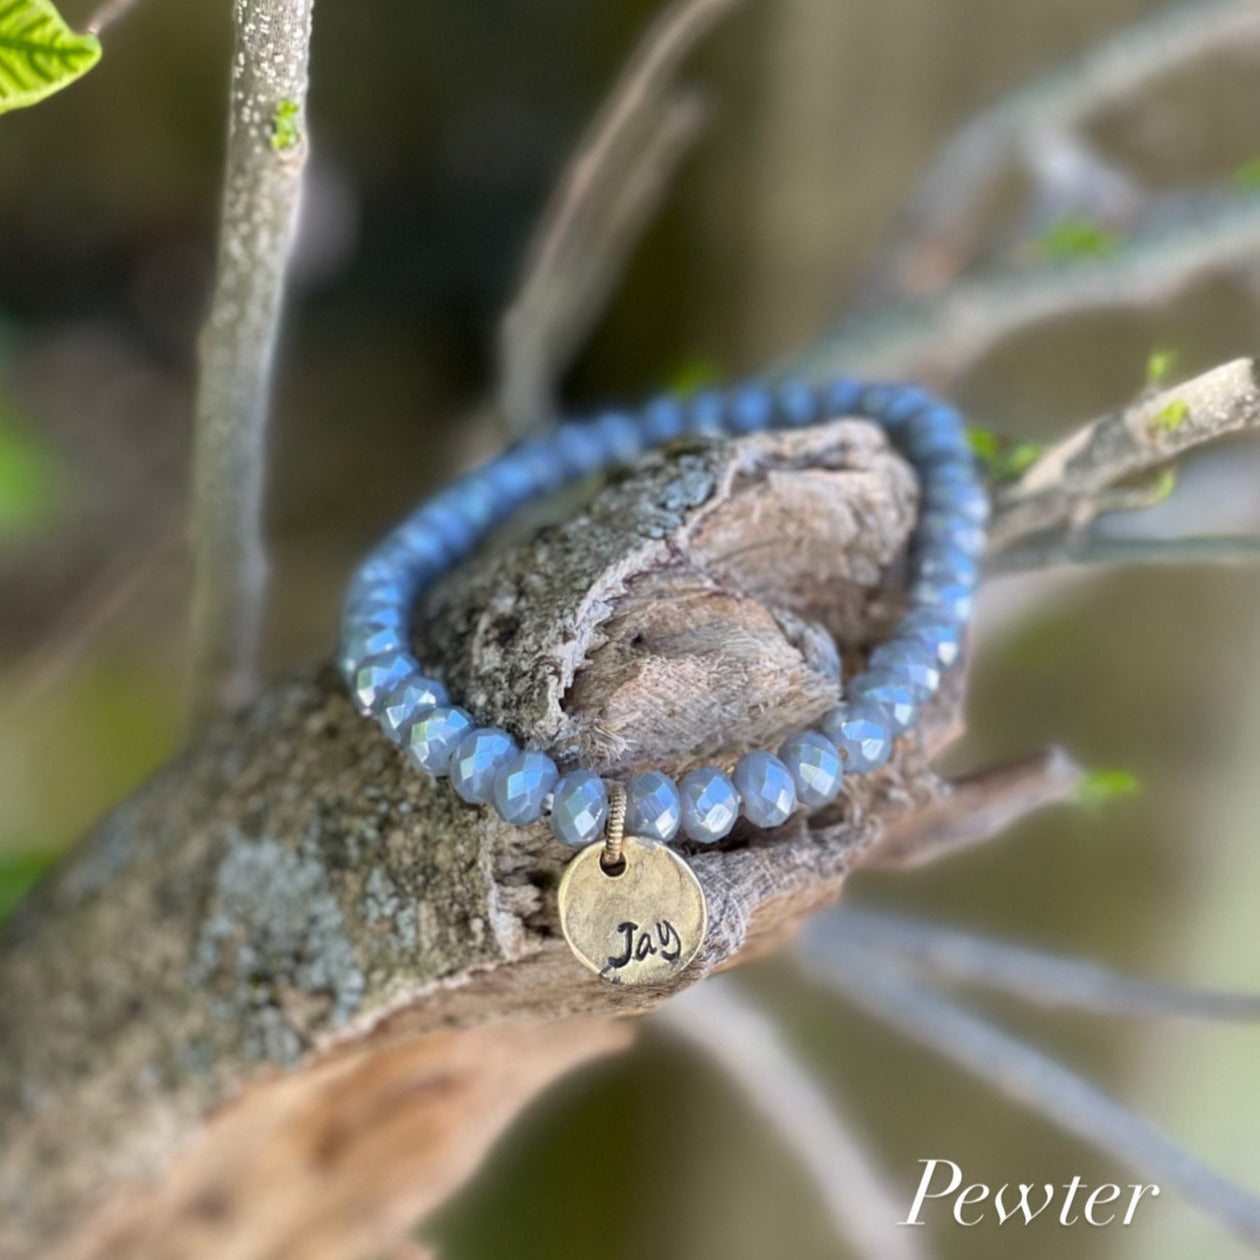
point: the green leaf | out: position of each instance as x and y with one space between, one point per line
28 481
285 132
1097 787
18 874
1159 367
693 376
1170 418
39 53
1247 176
1077 237
1004 458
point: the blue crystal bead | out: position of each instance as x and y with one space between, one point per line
766 788
406 701
951 599
432 736
941 638
653 806
710 805
621 435
862 735
936 526
373 678
364 642
665 420
814 764
963 498
910 663
895 697
751 410
579 449
798 404
579 808
840 398
522 785
475 760
706 413
949 565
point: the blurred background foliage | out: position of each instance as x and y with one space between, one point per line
437 129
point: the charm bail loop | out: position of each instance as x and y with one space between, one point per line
612 859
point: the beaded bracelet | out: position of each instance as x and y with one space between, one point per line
631 908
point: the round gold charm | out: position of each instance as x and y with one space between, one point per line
642 925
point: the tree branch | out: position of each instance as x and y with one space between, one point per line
266 153
1065 482
1049 980
939 339
1023 1074
935 237
744 1041
606 195
292 896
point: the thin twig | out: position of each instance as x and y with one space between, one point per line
936 237
939 339
1158 429
266 153
600 205
1076 547
1033 976
746 1044
976 809
1023 1073
107 13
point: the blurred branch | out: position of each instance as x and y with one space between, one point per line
610 189
939 339
1085 547
1021 1072
1039 128
1064 485
974 810
107 13
744 1042
1030 975
266 154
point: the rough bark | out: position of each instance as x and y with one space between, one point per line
290 907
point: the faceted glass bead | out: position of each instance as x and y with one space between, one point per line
406 701
961 498
814 764
949 565
372 678
910 663
433 735
862 735
706 413
621 435
952 599
892 695
765 787
943 639
942 527
751 409
578 448
579 808
362 643
664 421
710 804
521 786
653 806
797 404
475 760
840 398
